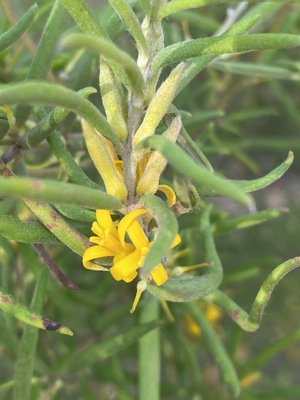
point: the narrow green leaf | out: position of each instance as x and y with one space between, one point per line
129 17
58 192
76 213
184 165
25 231
58 226
41 63
174 6
217 348
84 16
47 125
246 221
271 177
166 232
146 6
256 70
18 310
9 37
51 219
100 351
109 51
70 166
196 65
27 347
223 45
190 288
39 92
250 322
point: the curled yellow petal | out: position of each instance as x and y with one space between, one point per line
93 253
170 194
159 275
135 231
105 221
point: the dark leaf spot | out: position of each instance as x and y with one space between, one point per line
51 325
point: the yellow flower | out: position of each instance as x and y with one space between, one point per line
127 257
212 313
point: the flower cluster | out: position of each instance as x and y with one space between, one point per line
110 241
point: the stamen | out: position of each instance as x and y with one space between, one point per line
178 271
141 286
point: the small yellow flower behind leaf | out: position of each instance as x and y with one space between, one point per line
249 379
103 155
212 313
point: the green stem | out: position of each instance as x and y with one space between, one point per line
149 354
27 348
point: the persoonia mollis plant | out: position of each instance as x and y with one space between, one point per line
137 209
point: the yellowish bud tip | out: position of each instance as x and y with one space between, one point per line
141 286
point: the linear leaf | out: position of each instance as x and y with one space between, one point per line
217 348
21 312
100 351
223 45
190 288
28 344
25 231
84 16
196 65
58 192
39 92
246 221
174 6
109 51
129 17
206 181
167 229
7 38
271 177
